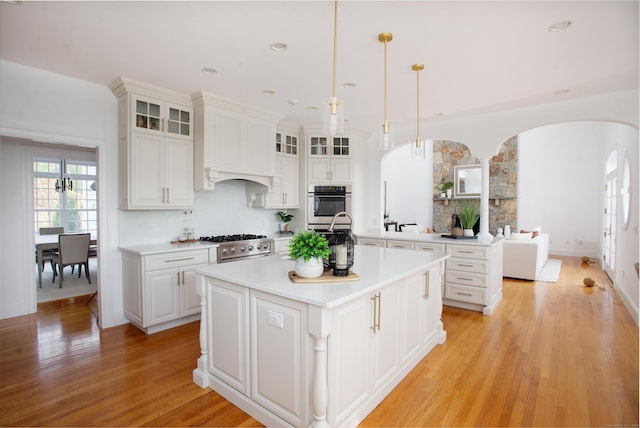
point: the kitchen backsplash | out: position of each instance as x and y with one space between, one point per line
221 211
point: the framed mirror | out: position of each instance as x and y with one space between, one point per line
467 181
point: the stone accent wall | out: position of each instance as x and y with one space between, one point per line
503 183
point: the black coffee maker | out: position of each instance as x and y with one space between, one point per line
341 246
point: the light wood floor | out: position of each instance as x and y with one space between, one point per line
556 355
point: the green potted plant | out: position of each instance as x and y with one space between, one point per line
444 187
309 249
285 218
468 212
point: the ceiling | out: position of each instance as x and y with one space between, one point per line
479 56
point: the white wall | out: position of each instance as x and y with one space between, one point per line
409 186
560 185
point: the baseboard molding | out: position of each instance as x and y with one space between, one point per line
573 253
630 305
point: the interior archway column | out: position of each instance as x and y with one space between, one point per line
484 235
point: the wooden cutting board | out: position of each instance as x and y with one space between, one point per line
327 276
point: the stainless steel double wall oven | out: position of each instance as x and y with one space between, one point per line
324 202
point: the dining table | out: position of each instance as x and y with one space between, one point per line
49 242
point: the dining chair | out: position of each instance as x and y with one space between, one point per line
47 255
73 249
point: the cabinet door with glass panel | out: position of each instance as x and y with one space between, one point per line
159 117
329 159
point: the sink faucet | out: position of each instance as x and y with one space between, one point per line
333 221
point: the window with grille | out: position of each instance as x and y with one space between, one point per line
64 193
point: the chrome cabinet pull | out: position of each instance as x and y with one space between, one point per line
464 294
182 277
178 273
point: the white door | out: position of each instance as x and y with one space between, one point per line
609 253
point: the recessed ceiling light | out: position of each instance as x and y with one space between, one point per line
279 46
561 91
209 70
560 25
293 101
349 84
268 92
312 108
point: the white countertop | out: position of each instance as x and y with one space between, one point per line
420 237
376 267
167 247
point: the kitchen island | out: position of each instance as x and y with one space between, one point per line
319 354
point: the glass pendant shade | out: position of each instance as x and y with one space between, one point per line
386 136
333 118
418 150
341 257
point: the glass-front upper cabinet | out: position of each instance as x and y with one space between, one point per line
156 116
286 144
319 146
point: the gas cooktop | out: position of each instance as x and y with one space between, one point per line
231 238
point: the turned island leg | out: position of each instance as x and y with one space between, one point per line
319 328
200 376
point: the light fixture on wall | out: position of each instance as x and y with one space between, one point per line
333 122
386 137
418 146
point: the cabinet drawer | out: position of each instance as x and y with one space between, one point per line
372 242
468 265
406 245
423 246
177 259
475 279
464 294
468 251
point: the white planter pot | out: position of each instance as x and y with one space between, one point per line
468 232
311 269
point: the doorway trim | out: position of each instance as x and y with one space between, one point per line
104 189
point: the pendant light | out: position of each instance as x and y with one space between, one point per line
333 120
386 137
418 146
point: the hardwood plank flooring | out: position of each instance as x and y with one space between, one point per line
552 354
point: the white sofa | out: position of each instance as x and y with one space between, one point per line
523 259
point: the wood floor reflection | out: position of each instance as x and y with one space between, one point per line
553 354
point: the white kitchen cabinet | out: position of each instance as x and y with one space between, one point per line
473 277
286 189
379 333
278 373
155 145
329 160
160 289
229 321
422 300
232 141
372 242
281 245
404 245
